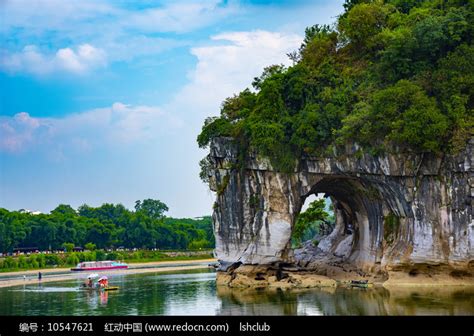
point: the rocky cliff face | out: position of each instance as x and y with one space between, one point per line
405 210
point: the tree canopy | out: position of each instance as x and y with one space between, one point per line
393 74
106 226
152 208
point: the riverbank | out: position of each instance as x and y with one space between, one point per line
292 277
61 274
43 261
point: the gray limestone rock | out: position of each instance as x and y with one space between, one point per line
405 208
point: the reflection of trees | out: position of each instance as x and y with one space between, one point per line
329 301
432 300
189 293
35 300
353 301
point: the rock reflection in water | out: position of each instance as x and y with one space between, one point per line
347 301
195 293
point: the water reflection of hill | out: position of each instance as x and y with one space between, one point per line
344 301
195 293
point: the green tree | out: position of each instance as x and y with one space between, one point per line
90 246
72 259
64 209
362 24
105 226
154 209
68 246
269 72
403 114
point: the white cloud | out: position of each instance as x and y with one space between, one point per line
117 125
221 71
41 16
17 131
225 69
31 60
44 16
124 30
86 57
243 56
180 16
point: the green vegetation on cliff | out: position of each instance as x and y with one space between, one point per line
394 72
106 226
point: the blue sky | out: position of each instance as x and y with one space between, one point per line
101 101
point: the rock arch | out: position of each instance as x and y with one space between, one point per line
406 209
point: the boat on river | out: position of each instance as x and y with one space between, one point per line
361 283
102 284
99 265
97 288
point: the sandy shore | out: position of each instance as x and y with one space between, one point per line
49 275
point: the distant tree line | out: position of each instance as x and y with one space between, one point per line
68 259
106 226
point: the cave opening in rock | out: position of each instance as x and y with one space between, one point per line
360 212
315 220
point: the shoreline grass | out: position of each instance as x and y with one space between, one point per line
158 257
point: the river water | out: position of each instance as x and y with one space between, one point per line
195 293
